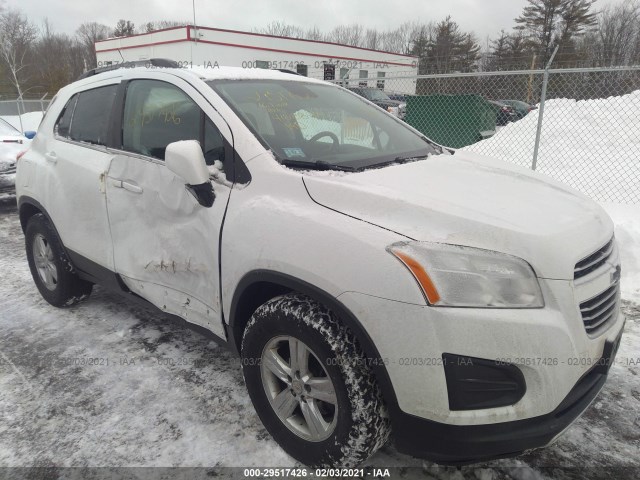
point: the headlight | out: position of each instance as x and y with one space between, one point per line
454 276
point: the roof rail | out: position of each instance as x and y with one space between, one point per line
285 70
152 62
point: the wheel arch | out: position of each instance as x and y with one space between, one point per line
27 208
259 286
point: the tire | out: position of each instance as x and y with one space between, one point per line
357 424
50 267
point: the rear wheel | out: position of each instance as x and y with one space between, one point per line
50 268
310 384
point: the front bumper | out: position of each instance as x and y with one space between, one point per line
459 445
561 364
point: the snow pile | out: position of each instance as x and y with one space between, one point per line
30 121
591 145
627 223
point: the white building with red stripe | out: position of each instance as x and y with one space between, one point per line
213 47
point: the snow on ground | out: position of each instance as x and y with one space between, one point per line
592 145
157 394
30 121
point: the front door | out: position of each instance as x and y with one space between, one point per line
165 243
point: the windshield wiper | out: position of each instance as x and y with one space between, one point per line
316 165
399 161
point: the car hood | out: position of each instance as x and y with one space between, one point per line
472 200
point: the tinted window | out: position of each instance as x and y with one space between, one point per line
157 113
90 118
64 121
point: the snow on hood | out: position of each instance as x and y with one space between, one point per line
471 200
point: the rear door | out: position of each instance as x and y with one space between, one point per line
165 242
77 159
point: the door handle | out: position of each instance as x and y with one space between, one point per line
51 157
127 185
131 186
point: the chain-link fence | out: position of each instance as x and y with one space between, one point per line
580 126
24 114
19 106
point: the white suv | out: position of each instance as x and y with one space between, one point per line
372 282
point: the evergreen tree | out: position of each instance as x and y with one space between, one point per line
450 50
551 23
124 28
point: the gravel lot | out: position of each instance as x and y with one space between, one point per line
160 395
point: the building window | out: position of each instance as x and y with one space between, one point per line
364 74
344 75
261 64
302 69
380 82
329 71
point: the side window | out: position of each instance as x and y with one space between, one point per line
90 119
64 120
157 113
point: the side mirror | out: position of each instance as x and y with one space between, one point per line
30 134
185 159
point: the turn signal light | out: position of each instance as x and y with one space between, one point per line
419 273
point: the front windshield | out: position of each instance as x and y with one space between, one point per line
311 123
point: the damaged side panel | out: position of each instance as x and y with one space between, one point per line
165 243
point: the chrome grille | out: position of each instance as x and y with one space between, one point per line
599 311
593 261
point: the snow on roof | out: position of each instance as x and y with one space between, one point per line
201 72
239 73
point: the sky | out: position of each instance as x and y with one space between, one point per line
484 17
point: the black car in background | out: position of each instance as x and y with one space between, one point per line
381 99
504 113
522 109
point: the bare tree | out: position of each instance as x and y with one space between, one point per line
347 35
60 60
314 33
617 36
281 29
161 25
88 34
16 37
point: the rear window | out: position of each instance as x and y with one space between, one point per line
85 118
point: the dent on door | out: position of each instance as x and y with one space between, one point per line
165 243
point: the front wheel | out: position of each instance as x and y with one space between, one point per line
310 384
